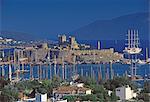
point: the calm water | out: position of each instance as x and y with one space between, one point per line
81 69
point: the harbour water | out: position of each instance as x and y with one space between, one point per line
88 70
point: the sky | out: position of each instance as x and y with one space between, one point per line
52 17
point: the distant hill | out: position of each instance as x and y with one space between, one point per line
115 28
17 35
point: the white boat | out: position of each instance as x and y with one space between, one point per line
132 43
132 50
75 77
141 61
148 60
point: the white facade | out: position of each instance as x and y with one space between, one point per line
109 92
88 92
41 97
125 93
29 100
9 40
80 84
61 101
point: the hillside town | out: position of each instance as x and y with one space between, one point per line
74 51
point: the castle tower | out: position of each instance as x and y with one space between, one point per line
62 39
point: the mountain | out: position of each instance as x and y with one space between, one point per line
112 29
17 35
115 28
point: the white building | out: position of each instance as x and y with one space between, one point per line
125 93
61 101
28 100
109 92
77 89
9 40
41 97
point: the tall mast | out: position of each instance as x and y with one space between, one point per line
10 72
40 71
137 37
55 62
91 72
18 66
63 67
131 38
146 54
111 70
74 65
81 71
48 60
50 63
99 74
94 56
31 71
129 41
3 71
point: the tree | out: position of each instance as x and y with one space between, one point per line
146 87
70 98
3 82
97 89
86 80
144 94
88 98
56 81
113 97
100 97
118 82
48 86
41 90
9 94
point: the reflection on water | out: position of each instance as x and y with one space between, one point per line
88 70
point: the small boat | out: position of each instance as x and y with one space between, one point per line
75 77
141 62
132 50
148 60
20 71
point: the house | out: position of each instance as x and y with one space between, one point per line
41 97
125 93
33 97
109 92
61 101
61 91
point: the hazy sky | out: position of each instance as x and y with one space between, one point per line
58 16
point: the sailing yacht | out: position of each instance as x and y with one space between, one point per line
133 43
